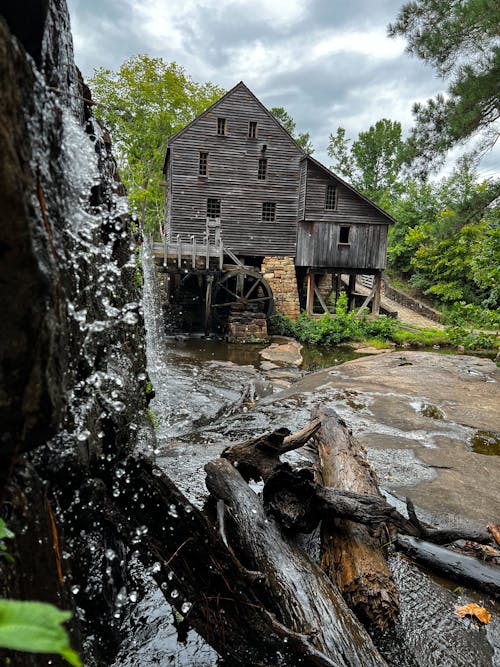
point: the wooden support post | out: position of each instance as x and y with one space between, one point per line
179 252
193 252
310 293
378 294
351 300
338 286
208 304
207 255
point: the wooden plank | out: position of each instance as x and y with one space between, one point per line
377 295
366 302
321 300
310 293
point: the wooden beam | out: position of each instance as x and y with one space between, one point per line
310 293
208 304
366 302
351 300
321 300
378 294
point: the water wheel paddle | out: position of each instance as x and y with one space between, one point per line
243 287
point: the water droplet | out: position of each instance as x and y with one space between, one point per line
75 589
83 436
110 554
156 567
133 596
172 510
119 472
175 593
186 606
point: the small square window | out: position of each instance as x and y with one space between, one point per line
344 234
213 208
331 198
268 211
221 126
262 172
252 129
203 164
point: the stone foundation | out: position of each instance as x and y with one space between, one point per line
247 327
280 274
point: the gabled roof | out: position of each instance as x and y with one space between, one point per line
239 85
330 173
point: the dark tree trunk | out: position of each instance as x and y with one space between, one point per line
229 608
301 595
465 570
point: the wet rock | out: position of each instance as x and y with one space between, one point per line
283 354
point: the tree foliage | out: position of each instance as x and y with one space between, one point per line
447 237
302 138
460 39
143 103
373 162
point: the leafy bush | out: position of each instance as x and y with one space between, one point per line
281 325
332 330
470 340
461 314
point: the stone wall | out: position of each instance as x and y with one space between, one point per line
246 327
409 302
280 274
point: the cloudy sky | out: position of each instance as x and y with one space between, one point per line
328 62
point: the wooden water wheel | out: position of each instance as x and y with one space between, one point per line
245 288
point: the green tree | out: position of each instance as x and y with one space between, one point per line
144 102
373 162
302 138
460 39
446 238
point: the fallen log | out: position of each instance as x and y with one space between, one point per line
303 597
350 554
465 570
299 504
201 578
257 458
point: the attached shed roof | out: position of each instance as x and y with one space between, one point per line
331 174
180 132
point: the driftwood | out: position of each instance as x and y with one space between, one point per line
304 599
257 458
350 554
203 579
465 570
299 504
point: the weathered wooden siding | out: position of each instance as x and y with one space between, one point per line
318 245
232 178
318 233
302 190
351 208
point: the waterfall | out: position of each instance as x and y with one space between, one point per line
156 346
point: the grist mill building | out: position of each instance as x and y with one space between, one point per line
254 224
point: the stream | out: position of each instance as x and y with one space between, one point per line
210 394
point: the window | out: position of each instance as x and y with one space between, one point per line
331 198
221 126
203 165
213 208
262 173
252 129
344 235
268 211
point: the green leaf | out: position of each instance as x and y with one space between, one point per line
5 533
35 627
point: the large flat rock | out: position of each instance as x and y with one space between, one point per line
417 413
